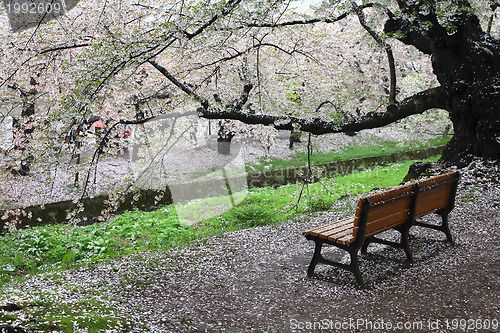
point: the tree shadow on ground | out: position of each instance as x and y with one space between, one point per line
382 263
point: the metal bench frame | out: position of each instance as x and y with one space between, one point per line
444 227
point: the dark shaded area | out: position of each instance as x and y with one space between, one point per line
10 307
417 170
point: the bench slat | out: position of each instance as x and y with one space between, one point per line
433 194
386 222
334 231
391 193
433 200
342 237
401 199
329 226
346 240
339 231
430 207
392 208
436 179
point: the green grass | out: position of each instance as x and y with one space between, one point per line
350 152
54 316
54 247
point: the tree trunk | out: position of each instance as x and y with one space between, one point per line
224 145
294 137
225 135
467 64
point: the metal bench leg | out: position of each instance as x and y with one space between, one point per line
367 242
316 258
446 228
354 267
405 244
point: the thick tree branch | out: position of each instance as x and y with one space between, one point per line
231 4
415 104
405 31
136 122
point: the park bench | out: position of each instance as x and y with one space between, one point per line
396 208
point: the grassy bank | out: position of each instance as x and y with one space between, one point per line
350 152
64 246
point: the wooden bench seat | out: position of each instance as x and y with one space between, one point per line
395 208
341 231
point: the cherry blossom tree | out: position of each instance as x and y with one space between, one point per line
463 51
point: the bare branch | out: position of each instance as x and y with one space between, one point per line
161 116
494 6
237 105
184 87
247 50
136 122
228 8
392 69
307 21
63 47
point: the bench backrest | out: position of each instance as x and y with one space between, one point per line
436 193
385 209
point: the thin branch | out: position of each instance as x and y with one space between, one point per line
247 50
309 152
392 68
63 47
95 157
15 71
307 21
38 26
290 53
296 205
